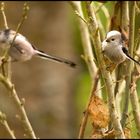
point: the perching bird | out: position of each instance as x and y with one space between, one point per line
114 48
23 50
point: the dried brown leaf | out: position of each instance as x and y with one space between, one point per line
98 112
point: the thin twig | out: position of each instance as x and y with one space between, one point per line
88 54
78 14
99 7
4 16
135 103
24 118
125 27
130 63
137 8
107 16
6 27
102 29
4 122
24 16
133 93
137 44
86 113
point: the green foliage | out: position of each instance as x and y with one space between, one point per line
83 90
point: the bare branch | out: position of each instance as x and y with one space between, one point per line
88 54
99 7
24 118
133 95
3 14
86 113
4 122
24 16
107 15
125 27
6 27
135 103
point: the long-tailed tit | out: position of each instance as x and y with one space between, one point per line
114 48
23 50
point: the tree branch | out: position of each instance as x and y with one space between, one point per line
135 103
6 27
4 122
86 113
124 26
130 63
133 95
20 106
88 54
3 14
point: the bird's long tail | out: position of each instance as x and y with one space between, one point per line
55 59
129 57
133 59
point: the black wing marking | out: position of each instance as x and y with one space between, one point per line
6 33
124 49
34 47
19 49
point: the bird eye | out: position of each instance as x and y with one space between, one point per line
112 39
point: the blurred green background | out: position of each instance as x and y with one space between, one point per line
55 95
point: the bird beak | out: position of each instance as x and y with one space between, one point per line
107 40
